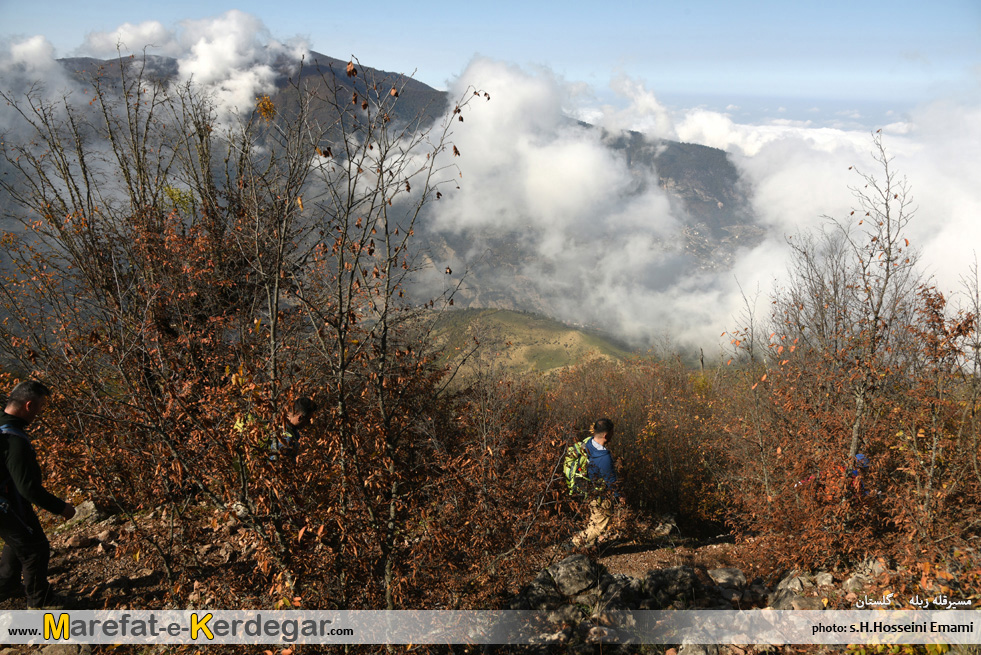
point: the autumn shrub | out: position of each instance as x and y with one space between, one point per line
856 400
209 275
675 463
578 396
934 487
181 287
793 482
666 440
789 481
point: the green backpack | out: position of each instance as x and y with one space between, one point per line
575 465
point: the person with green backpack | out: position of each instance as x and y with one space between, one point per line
590 473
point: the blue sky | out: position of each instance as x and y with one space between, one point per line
800 56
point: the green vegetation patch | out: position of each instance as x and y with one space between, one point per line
523 342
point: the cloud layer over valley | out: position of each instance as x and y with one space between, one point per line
576 230
603 243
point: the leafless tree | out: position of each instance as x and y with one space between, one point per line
851 295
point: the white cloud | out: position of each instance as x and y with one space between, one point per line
34 56
718 130
605 241
800 173
645 113
938 153
600 239
231 55
150 35
234 56
526 164
29 65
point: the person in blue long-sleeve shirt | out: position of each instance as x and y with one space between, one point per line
603 483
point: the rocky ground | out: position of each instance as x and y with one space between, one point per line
84 566
590 595
591 599
658 568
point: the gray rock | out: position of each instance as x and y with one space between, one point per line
619 619
856 583
824 579
782 599
873 567
678 584
807 603
567 614
619 592
589 598
636 585
728 577
574 574
698 649
86 512
541 594
731 595
795 582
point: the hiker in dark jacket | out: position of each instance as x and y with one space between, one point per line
286 444
26 550
603 483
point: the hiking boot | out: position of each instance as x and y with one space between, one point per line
10 592
52 602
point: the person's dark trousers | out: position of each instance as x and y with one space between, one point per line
26 552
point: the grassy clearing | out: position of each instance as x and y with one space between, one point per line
522 342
